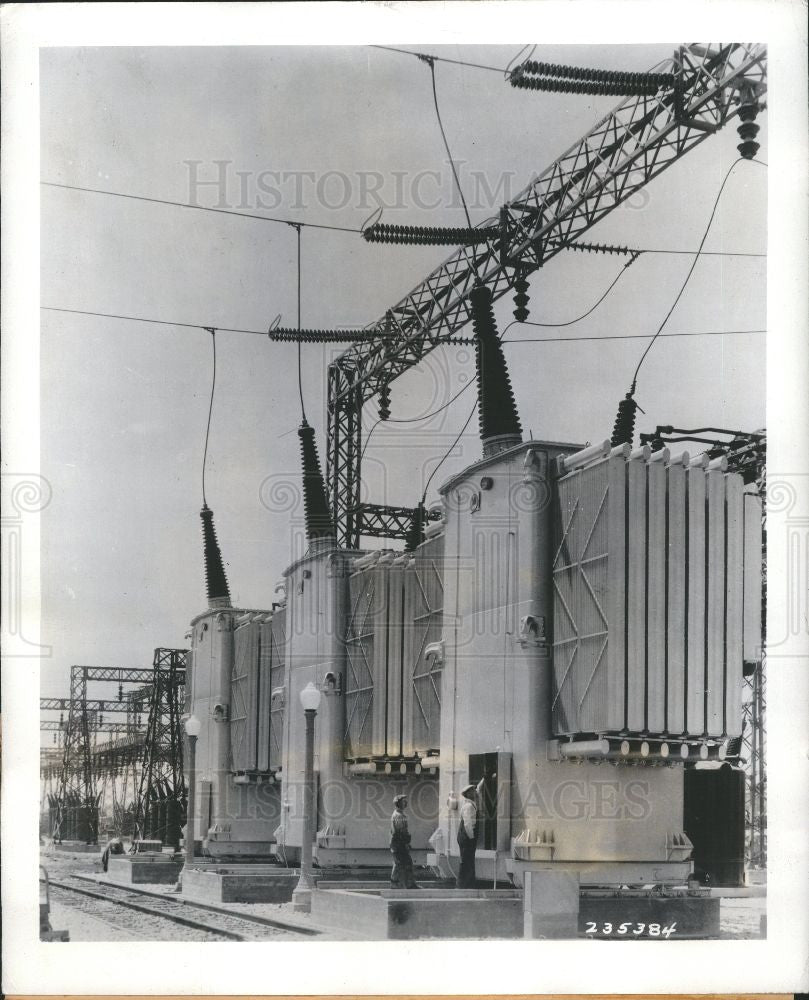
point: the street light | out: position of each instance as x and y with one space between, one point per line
193 727
302 895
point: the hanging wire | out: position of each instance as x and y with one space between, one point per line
199 208
431 63
212 332
413 420
448 452
592 308
688 276
297 227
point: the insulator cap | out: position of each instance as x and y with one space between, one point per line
215 579
315 506
497 411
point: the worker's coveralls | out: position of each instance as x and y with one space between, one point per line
401 876
467 843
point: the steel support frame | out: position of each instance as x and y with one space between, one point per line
162 771
376 520
79 757
630 146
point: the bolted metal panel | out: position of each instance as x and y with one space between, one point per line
695 603
423 611
669 539
278 685
243 701
716 621
656 598
366 662
676 552
589 578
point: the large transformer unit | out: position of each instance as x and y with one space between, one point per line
569 637
569 631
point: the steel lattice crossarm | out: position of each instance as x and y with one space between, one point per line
95 704
631 145
54 726
378 520
122 675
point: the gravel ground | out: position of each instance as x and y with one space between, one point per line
741 918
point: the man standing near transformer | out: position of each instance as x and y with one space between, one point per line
467 838
401 876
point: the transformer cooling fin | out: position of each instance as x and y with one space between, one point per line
315 505
497 411
216 581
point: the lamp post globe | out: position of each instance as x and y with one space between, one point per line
302 895
193 727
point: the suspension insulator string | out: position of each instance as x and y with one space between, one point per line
521 312
429 235
384 402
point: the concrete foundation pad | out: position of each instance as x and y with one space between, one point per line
236 885
143 868
408 914
77 847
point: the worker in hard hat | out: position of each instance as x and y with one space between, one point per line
467 837
401 876
115 846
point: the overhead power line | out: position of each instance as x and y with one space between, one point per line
323 225
200 208
446 59
263 333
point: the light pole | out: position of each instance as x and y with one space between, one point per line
302 895
193 728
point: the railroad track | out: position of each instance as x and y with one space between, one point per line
192 921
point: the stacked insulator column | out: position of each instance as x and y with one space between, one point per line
748 130
624 430
533 75
384 402
215 579
497 411
415 535
521 297
428 235
315 505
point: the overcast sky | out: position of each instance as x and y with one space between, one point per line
323 135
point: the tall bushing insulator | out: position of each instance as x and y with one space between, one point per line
624 430
748 130
215 579
315 506
415 535
497 412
